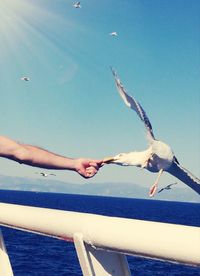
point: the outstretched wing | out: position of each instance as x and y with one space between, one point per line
168 187
185 176
133 104
161 190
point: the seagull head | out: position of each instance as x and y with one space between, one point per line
119 159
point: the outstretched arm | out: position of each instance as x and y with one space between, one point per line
38 157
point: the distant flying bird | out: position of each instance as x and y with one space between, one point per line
168 187
45 174
77 5
25 78
113 34
158 157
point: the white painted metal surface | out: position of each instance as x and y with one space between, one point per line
99 262
144 238
5 266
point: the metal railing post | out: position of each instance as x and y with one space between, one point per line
99 262
5 266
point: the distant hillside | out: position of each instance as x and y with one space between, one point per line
103 189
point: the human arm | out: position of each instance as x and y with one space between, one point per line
38 157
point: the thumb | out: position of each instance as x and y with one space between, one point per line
96 163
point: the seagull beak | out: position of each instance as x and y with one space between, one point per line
108 160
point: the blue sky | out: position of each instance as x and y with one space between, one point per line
71 106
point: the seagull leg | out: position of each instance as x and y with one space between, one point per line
155 185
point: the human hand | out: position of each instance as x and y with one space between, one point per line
87 167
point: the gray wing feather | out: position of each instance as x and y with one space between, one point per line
133 104
161 190
168 187
185 176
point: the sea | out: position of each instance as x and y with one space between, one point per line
35 255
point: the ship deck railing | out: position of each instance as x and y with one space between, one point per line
102 242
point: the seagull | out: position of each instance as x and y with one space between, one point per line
168 187
46 174
77 5
25 78
113 34
158 157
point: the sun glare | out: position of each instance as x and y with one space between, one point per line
14 27
29 31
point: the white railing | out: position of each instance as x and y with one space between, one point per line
102 241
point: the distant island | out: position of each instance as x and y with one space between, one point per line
101 189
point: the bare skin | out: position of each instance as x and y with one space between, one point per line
38 157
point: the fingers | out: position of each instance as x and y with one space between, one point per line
90 172
96 163
88 167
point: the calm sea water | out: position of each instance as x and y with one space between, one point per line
36 255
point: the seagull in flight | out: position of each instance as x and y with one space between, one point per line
46 174
77 5
25 78
158 157
168 187
113 34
